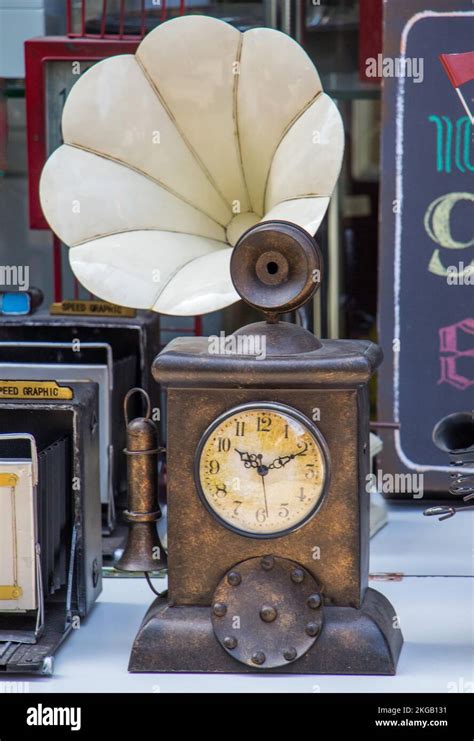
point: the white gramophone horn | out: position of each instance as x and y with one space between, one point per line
171 154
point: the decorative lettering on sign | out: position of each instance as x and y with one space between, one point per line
453 142
451 340
437 223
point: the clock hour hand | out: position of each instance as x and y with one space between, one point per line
282 460
250 460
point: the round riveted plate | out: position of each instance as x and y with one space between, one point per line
272 616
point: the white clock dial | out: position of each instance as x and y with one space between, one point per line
262 469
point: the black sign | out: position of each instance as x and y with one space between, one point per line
426 285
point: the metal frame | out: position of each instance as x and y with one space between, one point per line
122 16
38 52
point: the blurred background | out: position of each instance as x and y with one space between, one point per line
387 267
336 34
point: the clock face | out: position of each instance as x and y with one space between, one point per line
261 469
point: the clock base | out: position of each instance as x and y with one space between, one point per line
353 641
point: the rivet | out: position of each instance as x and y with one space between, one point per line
258 658
314 601
230 642
219 609
268 613
312 629
297 576
267 563
234 578
290 654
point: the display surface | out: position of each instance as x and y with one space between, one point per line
261 469
165 165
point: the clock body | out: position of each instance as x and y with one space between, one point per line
268 459
324 395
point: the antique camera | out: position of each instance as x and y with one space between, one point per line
50 534
57 361
70 335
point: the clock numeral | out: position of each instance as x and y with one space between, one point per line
236 508
260 515
304 447
221 490
284 511
310 473
223 444
214 466
264 423
301 495
286 432
239 428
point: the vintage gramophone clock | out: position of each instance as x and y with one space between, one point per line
180 173
268 514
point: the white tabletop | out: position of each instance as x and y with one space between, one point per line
423 546
432 593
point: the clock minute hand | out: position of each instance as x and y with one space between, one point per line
250 460
282 460
265 500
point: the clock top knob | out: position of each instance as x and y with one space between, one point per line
276 266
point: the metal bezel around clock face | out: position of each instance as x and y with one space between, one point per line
277 408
